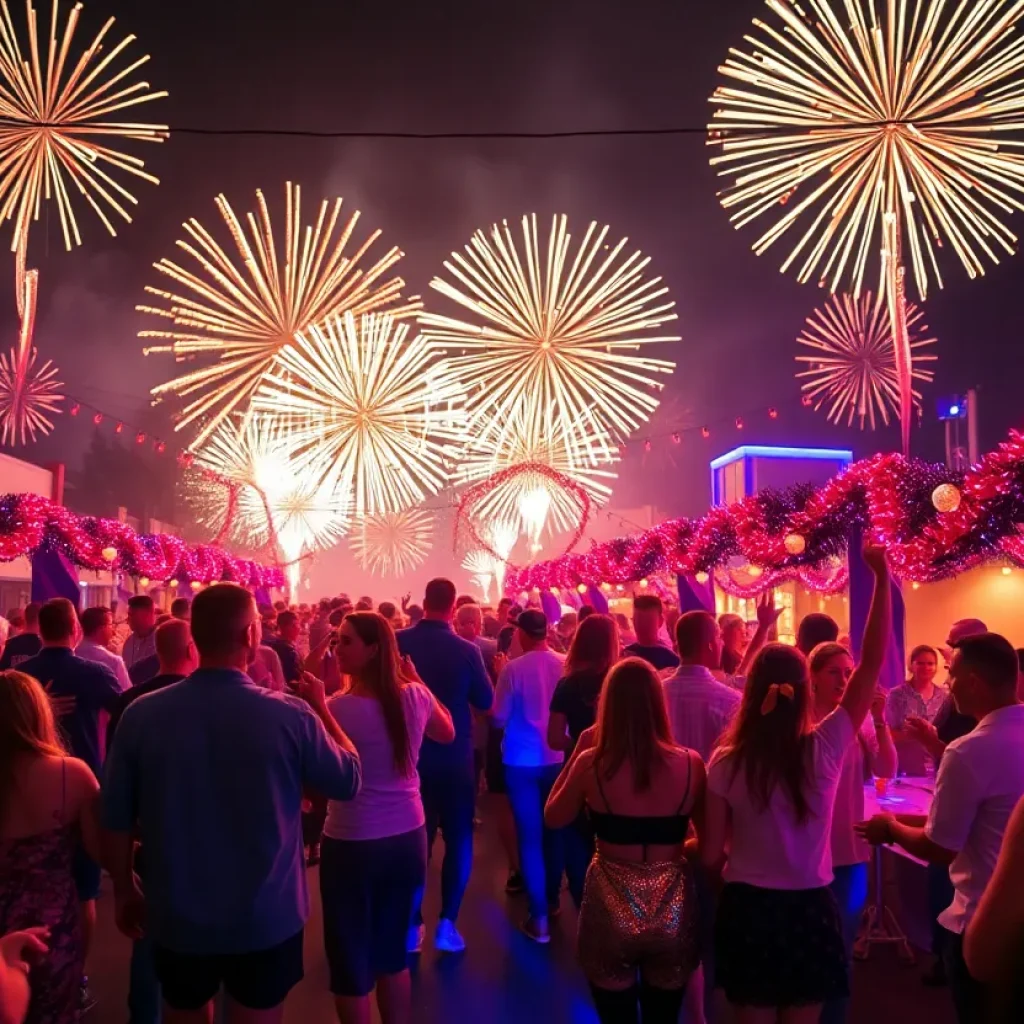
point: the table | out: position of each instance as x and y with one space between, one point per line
907 795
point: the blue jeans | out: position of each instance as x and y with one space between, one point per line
449 799
850 886
540 848
578 852
143 986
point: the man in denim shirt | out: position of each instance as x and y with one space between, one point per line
211 771
453 669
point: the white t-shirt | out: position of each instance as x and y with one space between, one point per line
388 803
770 848
522 704
847 847
980 780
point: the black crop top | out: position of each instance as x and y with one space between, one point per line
633 830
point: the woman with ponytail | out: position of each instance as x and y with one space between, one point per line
374 850
779 950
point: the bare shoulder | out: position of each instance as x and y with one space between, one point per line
80 776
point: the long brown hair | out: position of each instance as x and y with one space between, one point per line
632 722
772 746
595 645
382 679
27 726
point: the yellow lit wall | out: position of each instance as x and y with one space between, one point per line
984 593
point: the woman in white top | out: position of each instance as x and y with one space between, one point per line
872 752
374 850
771 788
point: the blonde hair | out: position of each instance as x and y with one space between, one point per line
27 726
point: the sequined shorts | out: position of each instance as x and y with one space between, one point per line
638 918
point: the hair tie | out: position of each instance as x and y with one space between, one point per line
771 698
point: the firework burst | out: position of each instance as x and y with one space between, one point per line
888 126
531 498
255 492
245 309
553 334
481 566
375 414
394 543
852 368
29 391
57 135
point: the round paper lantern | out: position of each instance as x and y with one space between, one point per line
702 578
195 584
581 589
109 554
795 544
143 581
946 498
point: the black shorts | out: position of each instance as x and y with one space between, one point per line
258 981
368 888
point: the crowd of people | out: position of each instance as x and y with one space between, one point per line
700 790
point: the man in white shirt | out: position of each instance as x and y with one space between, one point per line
141 643
522 704
980 780
97 632
699 706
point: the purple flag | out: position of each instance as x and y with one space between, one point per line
597 600
694 596
53 575
552 609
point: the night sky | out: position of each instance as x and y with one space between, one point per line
468 65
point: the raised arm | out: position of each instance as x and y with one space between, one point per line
767 616
861 689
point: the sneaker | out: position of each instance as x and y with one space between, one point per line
535 931
414 938
447 938
515 883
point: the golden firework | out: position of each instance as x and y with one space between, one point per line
245 309
481 566
888 125
394 543
57 137
852 368
29 392
553 332
531 498
275 498
371 410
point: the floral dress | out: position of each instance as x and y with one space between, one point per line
37 889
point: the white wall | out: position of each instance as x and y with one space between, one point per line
984 593
17 477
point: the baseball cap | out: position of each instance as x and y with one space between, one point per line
533 623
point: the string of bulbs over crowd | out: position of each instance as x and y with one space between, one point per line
332 401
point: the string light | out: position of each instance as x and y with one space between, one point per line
29 523
888 496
